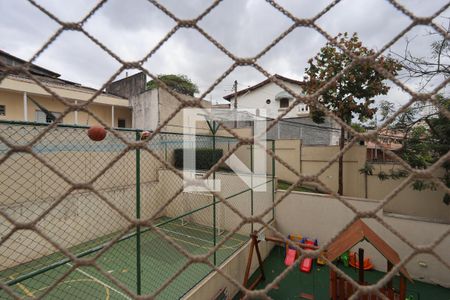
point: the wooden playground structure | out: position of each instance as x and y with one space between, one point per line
340 288
357 232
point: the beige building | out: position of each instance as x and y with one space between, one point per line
19 95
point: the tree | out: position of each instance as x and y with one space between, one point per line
178 83
426 137
427 68
352 94
386 108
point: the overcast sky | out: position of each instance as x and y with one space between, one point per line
132 28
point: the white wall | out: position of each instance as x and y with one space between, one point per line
322 217
257 99
145 110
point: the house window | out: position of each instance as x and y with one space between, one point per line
284 102
41 117
121 123
268 101
2 110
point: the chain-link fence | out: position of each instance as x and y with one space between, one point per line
79 218
95 224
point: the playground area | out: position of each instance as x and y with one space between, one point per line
159 261
317 281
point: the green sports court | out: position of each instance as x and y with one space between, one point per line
159 262
99 225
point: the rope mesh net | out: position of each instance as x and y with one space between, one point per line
69 209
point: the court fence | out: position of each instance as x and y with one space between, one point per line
116 184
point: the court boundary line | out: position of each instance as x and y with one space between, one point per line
201 230
200 239
99 281
24 289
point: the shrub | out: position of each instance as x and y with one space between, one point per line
205 158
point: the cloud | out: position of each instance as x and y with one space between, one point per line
132 28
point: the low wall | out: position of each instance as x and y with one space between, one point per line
426 204
234 267
308 160
322 217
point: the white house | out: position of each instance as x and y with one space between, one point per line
270 100
270 97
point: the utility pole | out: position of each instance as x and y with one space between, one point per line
235 103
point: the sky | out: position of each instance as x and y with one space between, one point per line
132 28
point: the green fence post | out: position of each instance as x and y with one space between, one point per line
214 197
251 183
273 179
138 216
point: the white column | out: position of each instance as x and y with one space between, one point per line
112 116
76 114
25 106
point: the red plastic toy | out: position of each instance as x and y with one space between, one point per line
290 257
306 264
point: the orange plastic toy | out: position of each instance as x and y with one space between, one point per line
353 261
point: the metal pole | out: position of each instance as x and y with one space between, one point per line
214 197
25 106
361 266
251 184
138 216
273 180
235 104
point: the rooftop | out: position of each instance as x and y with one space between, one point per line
262 83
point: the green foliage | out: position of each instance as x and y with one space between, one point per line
367 169
179 83
352 94
358 127
383 175
386 109
427 143
393 173
284 185
205 158
426 140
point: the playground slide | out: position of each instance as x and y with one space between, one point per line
290 257
306 265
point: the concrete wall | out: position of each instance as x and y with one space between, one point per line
313 158
426 204
309 160
322 217
153 107
145 110
129 86
290 152
234 267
